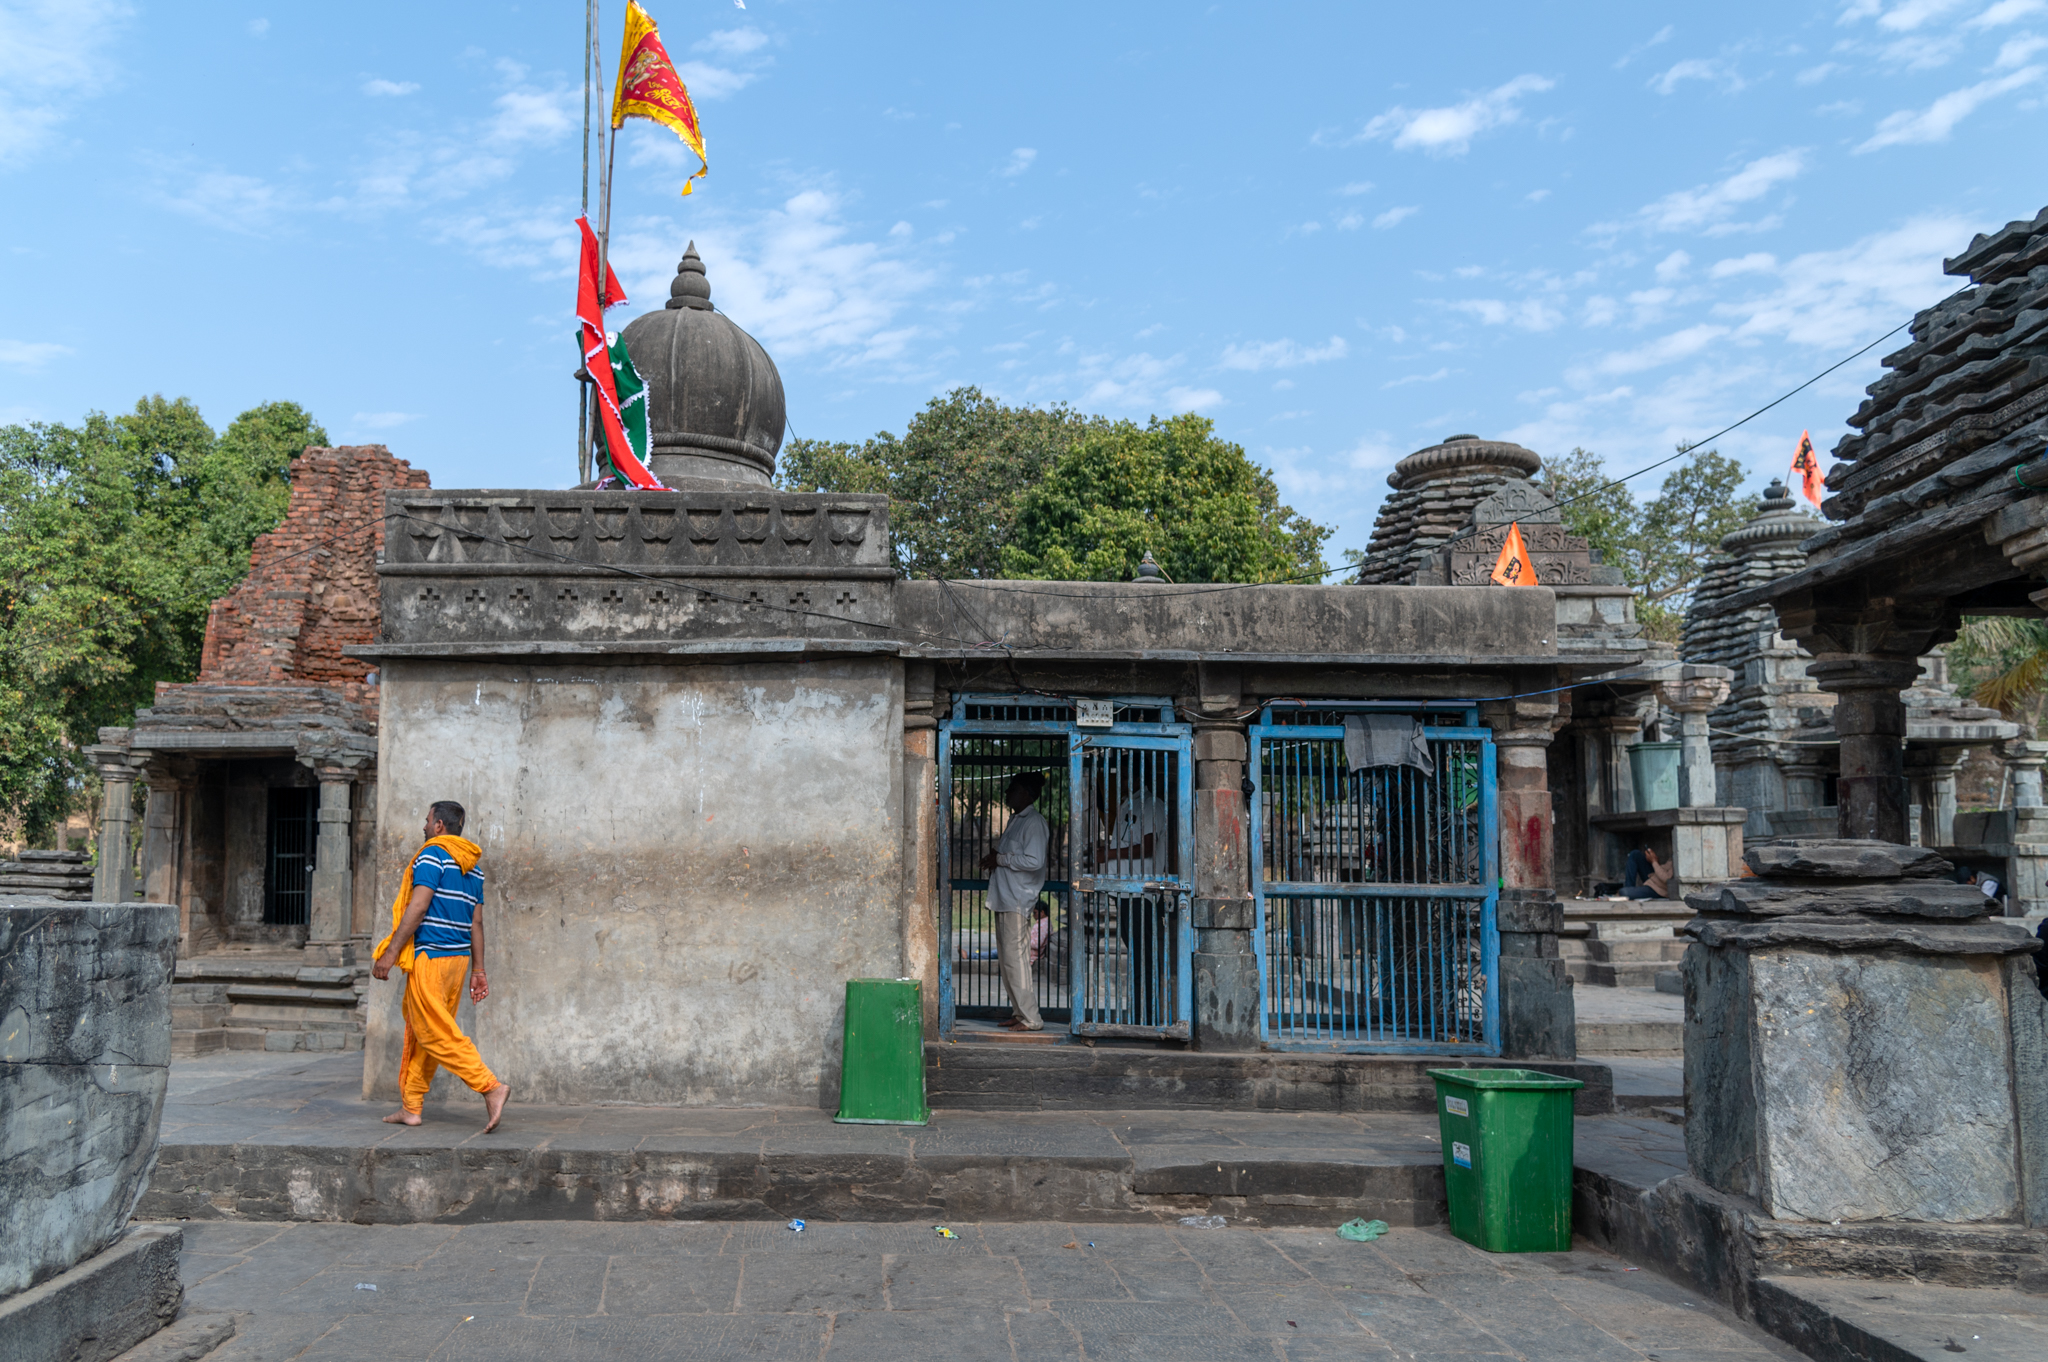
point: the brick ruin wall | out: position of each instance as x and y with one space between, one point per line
312 585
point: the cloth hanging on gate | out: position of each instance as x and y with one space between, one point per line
1385 740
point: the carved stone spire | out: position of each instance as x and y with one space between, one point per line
690 289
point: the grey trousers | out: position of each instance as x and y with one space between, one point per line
1012 953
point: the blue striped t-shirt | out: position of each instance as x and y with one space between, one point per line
445 929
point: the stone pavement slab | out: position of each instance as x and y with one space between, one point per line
1895 1320
863 1292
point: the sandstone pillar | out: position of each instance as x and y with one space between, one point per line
331 894
1931 772
1226 966
163 840
1538 1019
1693 697
1870 719
114 880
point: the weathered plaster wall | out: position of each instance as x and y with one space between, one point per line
685 864
85 1051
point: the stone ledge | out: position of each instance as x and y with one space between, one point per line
100 1308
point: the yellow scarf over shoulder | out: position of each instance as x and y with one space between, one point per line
466 854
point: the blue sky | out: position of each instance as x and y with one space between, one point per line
1341 231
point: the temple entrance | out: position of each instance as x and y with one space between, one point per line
1110 945
288 856
1376 886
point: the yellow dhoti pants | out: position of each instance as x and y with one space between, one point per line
432 1039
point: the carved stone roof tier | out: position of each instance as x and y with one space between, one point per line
1435 493
714 398
1923 494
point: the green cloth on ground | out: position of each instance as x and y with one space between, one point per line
1362 1231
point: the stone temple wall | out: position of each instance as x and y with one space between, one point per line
312 588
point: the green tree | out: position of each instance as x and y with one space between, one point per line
1660 548
1205 511
954 480
2003 662
115 535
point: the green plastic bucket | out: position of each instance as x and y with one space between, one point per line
1507 1136
1654 766
882 1081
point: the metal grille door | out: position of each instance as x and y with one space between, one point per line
1377 884
1132 846
288 864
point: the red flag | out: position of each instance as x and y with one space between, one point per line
650 88
598 362
1806 468
1514 567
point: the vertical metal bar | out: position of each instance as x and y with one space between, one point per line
945 826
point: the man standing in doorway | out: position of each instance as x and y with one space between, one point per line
1016 873
437 938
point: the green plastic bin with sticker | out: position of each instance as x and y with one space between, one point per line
882 1080
1507 1137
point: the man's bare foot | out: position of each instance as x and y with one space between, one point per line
494 1106
402 1117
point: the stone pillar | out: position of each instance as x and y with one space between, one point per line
331 899
114 880
920 840
1862 1045
163 840
2024 759
1933 769
1870 719
1226 966
1622 729
1538 1019
1700 690
363 918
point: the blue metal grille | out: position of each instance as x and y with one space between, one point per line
1376 888
1133 954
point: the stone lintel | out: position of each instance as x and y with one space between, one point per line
1992 937
1832 858
1938 899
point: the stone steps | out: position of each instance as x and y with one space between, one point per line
1631 1037
247 1000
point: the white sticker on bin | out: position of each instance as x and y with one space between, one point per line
1457 1106
1461 1153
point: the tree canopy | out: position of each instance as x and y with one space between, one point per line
1662 547
978 488
115 536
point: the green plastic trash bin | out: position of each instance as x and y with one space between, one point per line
1653 766
1507 1136
882 1081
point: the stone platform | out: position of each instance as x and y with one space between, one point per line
1629 1021
288 1137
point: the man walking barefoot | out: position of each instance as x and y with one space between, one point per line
437 931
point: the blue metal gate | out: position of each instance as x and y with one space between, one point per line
1377 887
1113 953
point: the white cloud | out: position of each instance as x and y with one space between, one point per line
1180 400
1601 310
1020 161
382 420
531 116
1836 300
732 42
1909 15
795 277
1711 205
30 354
1814 75
705 81
1417 378
1756 262
259 27
2005 12
377 85
51 58
219 198
2017 51
1530 314
1662 35
1393 217
1281 354
1673 266
1935 122
1921 51
1350 222
1712 70
1448 131
1664 350
1536 195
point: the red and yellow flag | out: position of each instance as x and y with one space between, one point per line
1514 567
1806 468
650 88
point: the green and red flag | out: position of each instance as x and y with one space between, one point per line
1806 468
650 88
603 358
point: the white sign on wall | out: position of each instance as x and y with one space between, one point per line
1094 713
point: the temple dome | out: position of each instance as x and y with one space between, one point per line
1776 525
714 400
1466 454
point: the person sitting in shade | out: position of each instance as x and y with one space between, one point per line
1646 877
437 935
1016 873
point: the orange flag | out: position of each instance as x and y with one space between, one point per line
1806 468
1514 566
650 88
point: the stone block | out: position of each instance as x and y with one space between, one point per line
85 1048
1226 988
1236 914
100 1308
1537 1016
1220 744
1910 898
1526 911
1843 858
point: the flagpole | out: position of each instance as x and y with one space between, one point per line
582 373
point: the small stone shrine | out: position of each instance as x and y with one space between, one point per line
60 875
